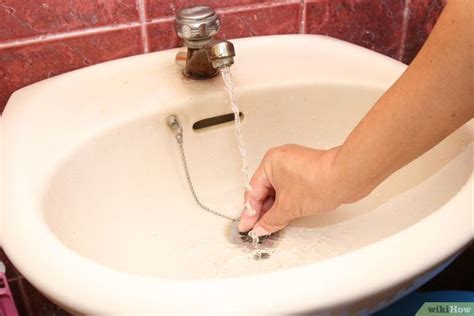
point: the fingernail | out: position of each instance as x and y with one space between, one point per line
245 225
259 231
249 211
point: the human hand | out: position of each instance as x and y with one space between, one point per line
425 105
292 181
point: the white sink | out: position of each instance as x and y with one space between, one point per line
97 213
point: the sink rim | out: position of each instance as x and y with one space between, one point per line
92 274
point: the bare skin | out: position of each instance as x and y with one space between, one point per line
433 98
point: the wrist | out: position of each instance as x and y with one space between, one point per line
353 181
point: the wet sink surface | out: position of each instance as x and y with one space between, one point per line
126 187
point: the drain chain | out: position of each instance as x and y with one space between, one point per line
175 125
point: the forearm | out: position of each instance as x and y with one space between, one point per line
430 100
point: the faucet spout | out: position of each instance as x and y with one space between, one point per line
221 54
197 26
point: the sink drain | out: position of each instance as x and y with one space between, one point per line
265 247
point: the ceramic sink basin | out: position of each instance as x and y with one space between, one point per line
97 214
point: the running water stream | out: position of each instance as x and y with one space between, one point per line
229 84
227 77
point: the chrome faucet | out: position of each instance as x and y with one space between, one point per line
197 26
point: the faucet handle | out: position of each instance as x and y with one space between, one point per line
197 23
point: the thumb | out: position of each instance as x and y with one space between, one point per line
272 221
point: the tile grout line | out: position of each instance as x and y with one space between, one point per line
406 17
144 30
66 35
256 6
159 20
303 17
15 278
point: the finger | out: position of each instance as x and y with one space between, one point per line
268 203
261 189
272 221
249 221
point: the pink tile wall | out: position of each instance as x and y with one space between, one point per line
23 18
422 17
373 24
40 39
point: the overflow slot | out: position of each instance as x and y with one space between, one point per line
215 121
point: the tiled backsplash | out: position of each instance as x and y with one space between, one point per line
40 39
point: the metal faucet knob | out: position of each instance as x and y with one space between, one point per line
197 23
